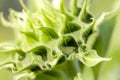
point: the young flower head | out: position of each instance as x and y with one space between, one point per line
48 37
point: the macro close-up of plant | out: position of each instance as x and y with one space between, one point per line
60 40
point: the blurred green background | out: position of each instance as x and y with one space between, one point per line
107 44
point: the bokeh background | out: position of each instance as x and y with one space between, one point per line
107 44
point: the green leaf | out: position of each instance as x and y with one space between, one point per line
111 47
84 15
74 8
87 31
31 35
48 34
65 12
70 27
40 51
8 48
90 58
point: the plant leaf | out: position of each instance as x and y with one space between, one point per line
91 58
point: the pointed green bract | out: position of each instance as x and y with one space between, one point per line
90 58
